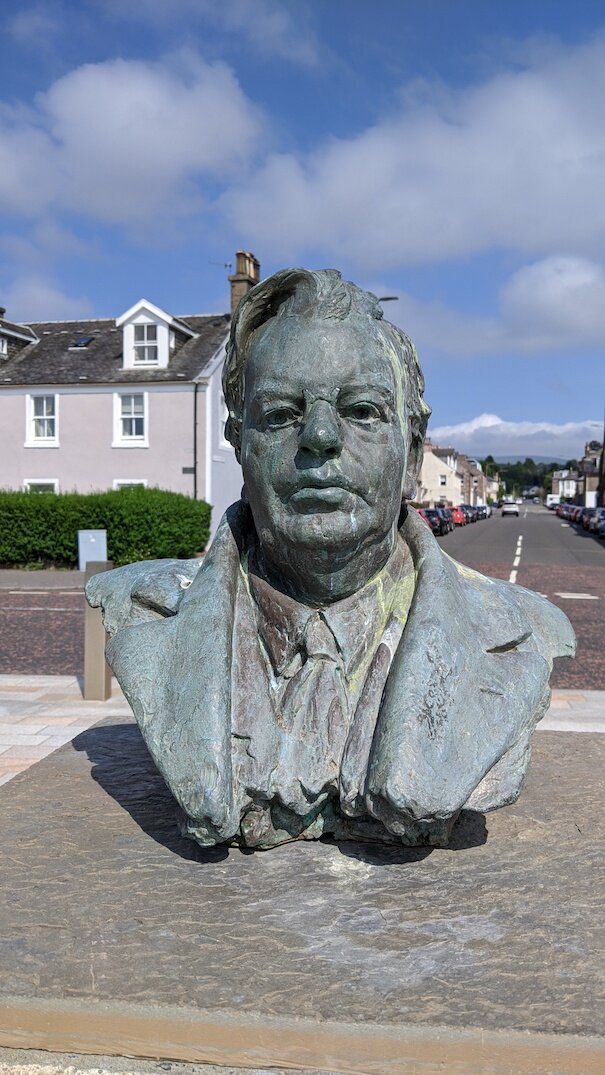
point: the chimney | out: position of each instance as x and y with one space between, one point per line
2 312
246 275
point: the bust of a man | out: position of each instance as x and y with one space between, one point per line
328 669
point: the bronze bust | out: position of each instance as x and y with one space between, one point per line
327 668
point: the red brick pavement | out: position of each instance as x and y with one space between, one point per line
42 641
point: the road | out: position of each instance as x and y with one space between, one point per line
538 550
42 632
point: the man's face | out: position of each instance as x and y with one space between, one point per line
323 448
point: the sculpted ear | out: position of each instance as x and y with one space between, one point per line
414 463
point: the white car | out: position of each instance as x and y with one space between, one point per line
510 509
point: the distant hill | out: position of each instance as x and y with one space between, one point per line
522 458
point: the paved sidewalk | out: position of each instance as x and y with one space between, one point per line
14 579
40 713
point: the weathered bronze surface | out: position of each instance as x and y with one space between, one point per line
328 669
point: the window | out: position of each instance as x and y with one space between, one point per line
130 483
41 485
3 346
443 479
146 345
42 422
130 424
223 416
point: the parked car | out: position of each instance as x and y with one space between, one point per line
471 512
510 508
458 517
586 516
595 520
437 522
422 514
447 515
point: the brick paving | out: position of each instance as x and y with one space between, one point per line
42 633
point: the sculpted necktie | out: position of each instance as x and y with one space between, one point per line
313 714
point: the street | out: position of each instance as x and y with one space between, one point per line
42 631
549 556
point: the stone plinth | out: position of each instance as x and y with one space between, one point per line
118 936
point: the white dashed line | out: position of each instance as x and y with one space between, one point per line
513 575
577 596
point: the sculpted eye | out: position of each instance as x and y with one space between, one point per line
363 412
280 417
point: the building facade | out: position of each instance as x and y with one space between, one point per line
137 400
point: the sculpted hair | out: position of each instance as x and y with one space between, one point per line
321 294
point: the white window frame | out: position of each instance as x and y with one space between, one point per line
31 441
443 479
3 347
223 416
119 483
119 440
28 482
146 344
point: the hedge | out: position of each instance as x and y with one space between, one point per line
41 529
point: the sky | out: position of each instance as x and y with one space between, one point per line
450 153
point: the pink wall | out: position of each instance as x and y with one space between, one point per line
86 459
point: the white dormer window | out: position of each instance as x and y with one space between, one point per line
146 345
149 335
3 346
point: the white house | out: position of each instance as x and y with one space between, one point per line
136 400
440 480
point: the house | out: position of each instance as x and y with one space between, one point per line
565 484
102 403
590 475
440 480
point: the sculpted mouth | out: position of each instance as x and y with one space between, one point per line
322 497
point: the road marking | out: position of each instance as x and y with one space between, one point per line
37 608
517 560
565 524
577 596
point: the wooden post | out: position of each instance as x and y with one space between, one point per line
97 673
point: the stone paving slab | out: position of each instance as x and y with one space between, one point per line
38 714
118 935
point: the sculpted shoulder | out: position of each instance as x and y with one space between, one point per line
140 592
551 632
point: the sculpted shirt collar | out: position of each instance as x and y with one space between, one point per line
356 622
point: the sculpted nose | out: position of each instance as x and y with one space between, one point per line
321 433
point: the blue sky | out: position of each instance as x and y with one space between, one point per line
449 152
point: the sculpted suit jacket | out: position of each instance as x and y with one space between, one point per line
466 687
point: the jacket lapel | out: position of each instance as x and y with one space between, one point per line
459 694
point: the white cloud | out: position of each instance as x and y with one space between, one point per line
516 162
34 298
490 435
127 141
551 305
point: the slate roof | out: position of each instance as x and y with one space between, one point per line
54 360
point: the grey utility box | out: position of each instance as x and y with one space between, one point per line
92 545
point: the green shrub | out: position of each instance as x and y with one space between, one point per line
141 524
